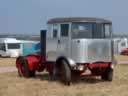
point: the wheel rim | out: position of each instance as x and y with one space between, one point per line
21 69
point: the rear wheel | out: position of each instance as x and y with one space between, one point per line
65 72
23 69
108 75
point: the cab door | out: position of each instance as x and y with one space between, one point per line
52 43
63 42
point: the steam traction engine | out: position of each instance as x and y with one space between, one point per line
71 48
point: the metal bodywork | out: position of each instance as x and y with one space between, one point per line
77 19
55 50
90 51
83 50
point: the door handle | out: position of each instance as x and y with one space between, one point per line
78 41
59 41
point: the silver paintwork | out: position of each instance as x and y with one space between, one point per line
77 50
91 50
82 50
51 49
54 49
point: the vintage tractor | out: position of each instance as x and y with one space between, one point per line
72 48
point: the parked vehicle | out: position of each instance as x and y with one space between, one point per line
30 47
124 46
120 44
10 47
124 52
72 48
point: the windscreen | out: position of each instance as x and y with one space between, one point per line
91 30
13 46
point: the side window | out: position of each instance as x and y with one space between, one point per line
98 31
107 28
55 31
123 44
2 47
13 46
64 30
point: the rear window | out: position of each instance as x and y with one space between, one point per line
14 46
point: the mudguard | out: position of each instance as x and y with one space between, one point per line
32 60
71 63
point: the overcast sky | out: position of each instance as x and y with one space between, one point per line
29 16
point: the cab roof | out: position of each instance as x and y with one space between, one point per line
78 19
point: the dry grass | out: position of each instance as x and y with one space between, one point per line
12 85
121 57
7 62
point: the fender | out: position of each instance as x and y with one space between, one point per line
71 62
33 61
113 63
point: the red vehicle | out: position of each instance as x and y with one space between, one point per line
72 48
124 52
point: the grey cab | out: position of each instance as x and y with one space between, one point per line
82 39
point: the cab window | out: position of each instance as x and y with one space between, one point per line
64 30
55 31
107 29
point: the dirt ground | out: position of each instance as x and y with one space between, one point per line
13 85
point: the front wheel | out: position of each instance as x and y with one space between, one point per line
65 72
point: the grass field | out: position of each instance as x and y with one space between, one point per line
121 58
12 85
7 62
